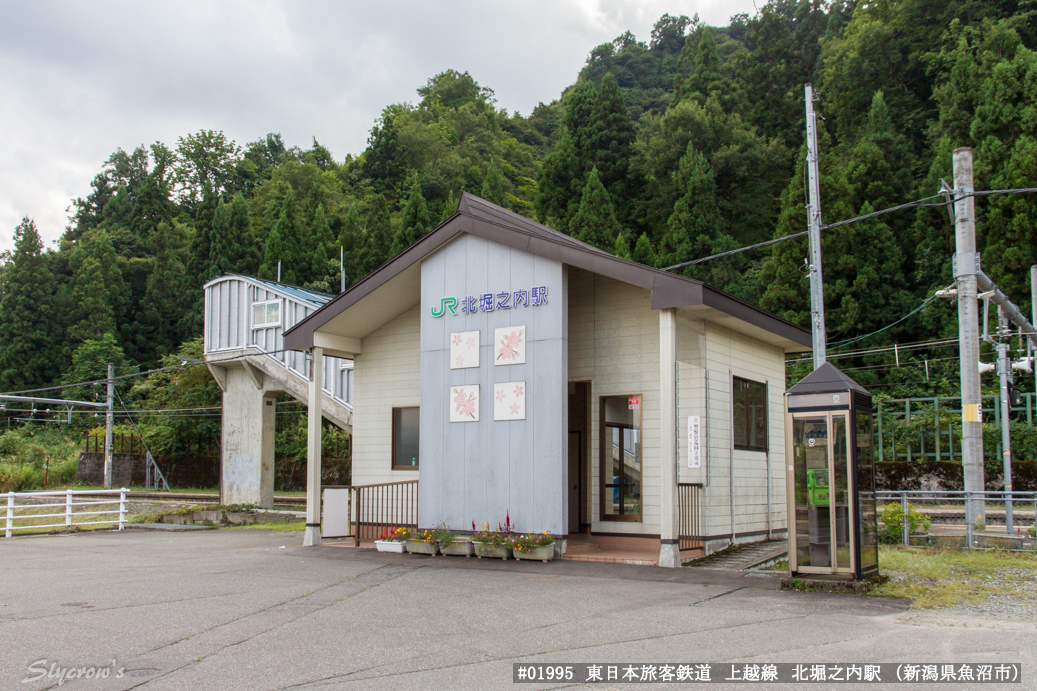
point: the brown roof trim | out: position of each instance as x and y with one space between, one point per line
481 218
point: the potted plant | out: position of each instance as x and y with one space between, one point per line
493 544
456 545
393 540
534 546
428 541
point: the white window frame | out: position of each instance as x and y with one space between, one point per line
265 303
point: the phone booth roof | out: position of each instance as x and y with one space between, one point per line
826 379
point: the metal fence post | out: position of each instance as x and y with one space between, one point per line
68 509
907 527
968 524
122 507
10 513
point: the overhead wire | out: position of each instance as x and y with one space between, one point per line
901 347
188 363
918 203
913 312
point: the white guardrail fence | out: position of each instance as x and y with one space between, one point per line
71 509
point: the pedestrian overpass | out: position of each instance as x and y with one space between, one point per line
245 318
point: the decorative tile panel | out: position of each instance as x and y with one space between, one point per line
509 401
509 345
464 349
464 403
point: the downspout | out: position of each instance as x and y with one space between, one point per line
731 456
767 452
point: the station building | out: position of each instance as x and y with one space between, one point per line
518 373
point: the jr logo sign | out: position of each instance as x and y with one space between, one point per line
444 305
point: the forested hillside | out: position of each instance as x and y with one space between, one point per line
662 150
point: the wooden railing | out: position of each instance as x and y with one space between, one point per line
689 502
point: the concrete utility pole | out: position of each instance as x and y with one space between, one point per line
817 293
966 266
109 419
341 269
1004 373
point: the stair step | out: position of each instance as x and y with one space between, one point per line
614 557
582 547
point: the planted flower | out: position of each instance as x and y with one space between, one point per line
494 544
394 534
528 543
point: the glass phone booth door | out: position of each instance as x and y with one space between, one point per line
822 492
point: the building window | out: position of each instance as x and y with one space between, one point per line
266 314
405 438
750 415
621 458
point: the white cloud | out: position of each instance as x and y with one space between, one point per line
80 80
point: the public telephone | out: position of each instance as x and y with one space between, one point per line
831 490
817 488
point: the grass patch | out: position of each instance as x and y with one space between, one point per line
276 527
782 565
937 577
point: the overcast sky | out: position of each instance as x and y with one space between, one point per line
80 79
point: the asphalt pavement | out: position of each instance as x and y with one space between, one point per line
252 609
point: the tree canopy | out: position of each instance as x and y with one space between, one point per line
661 151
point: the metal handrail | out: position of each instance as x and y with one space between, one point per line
374 508
69 512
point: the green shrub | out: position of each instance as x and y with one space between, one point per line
10 443
28 456
891 523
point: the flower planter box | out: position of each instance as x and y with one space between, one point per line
390 546
545 553
418 547
485 549
458 549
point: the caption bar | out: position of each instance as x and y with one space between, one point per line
776 673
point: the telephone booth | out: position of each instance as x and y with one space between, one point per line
833 525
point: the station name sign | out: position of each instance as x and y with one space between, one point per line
491 302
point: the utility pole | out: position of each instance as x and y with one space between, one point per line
1004 373
966 266
341 269
109 419
817 293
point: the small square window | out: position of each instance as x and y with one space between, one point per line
266 314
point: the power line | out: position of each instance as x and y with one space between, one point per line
913 312
193 363
923 202
901 347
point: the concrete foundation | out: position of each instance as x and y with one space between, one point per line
669 555
247 441
311 538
